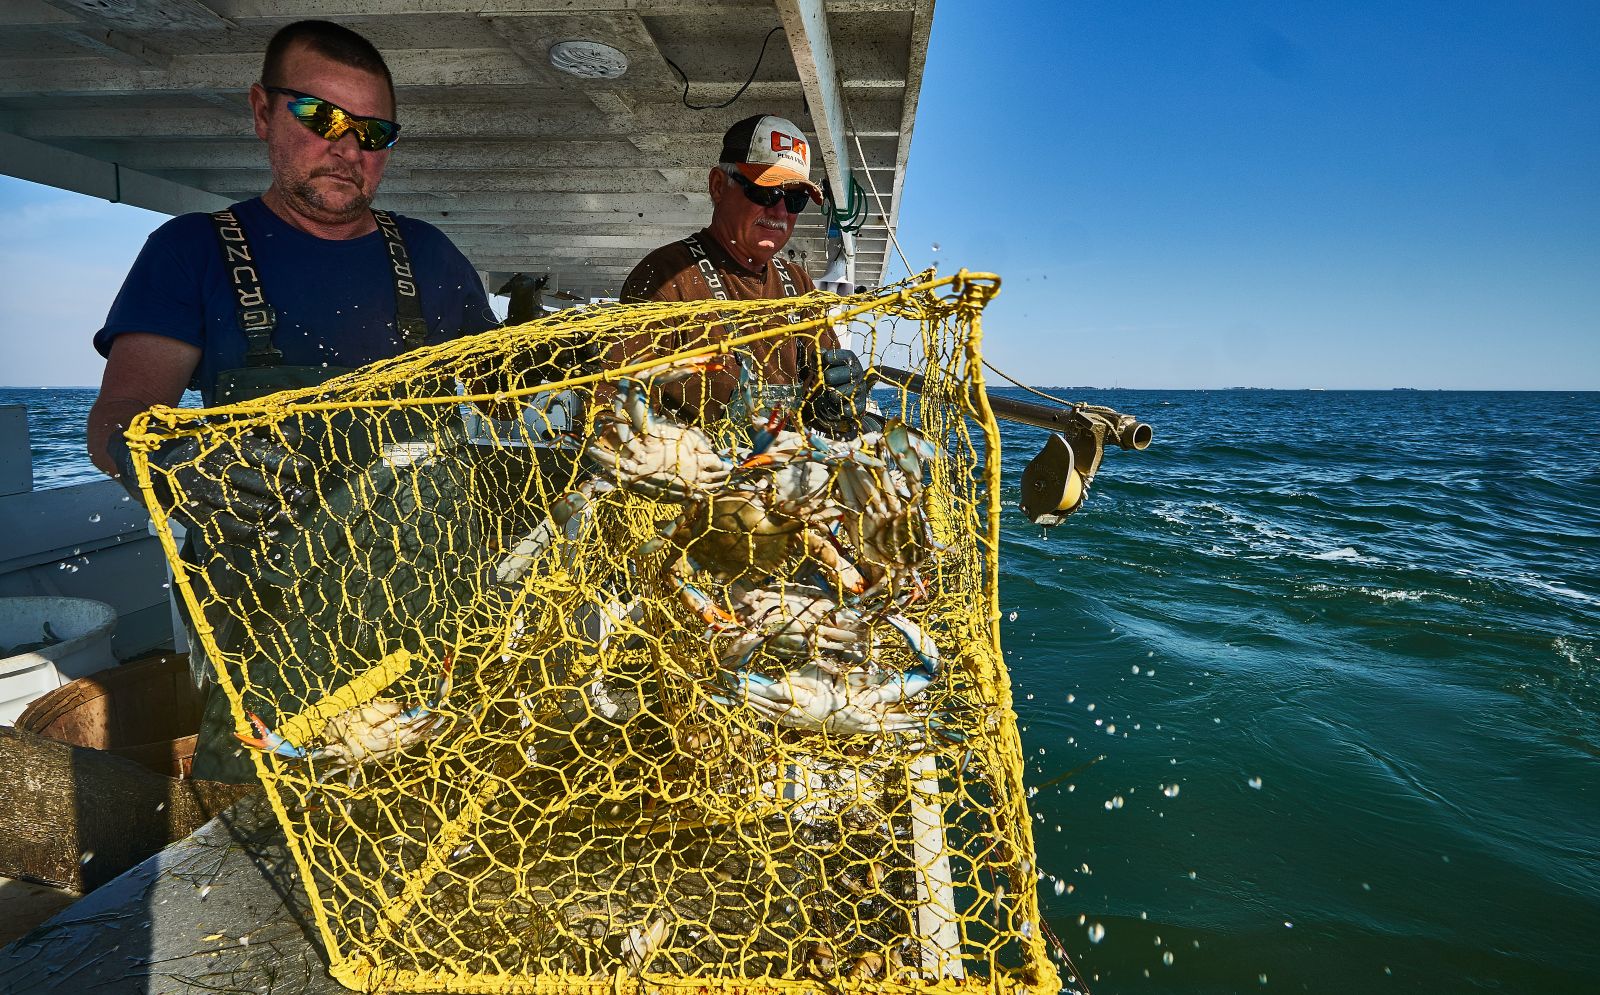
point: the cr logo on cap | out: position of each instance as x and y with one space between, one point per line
788 143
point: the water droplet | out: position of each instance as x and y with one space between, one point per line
1136 668
1097 933
1061 886
1287 924
1071 698
1166 958
88 855
1091 706
1116 801
936 246
1191 875
94 517
1263 978
1171 790
1255 782
1012 617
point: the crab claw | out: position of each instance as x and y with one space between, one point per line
269 741
699 601
757 459
446 682
765 434
908 448
926 650
563 508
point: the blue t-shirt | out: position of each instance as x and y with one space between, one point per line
335 298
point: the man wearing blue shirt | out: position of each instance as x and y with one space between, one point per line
319 259
279 292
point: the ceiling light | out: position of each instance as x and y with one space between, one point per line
588 59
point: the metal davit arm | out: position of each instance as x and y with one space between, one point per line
1056 481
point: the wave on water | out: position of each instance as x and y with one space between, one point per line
1375 592
1579 654
1309 603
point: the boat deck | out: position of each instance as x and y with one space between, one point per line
219 911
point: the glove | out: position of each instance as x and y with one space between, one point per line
840 400
242 488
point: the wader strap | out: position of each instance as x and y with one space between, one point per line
713 279
408 318
783 274
802 347
702 262
256 317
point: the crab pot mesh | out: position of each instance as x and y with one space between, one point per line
595 654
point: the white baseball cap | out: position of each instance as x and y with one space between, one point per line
771 152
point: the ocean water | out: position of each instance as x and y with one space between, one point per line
1310 690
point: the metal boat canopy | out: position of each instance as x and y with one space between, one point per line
527 167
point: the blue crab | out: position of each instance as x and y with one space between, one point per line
880 490
642 451
832 696
800 620
362 733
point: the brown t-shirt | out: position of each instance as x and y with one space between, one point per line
671 273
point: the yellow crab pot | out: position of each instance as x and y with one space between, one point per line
584 658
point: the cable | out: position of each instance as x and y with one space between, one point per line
854 134
854 216
873 184
736 96
1032 390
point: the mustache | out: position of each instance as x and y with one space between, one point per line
772 223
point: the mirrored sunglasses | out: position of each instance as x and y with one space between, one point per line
331 121
794 199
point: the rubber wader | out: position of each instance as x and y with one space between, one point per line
363 572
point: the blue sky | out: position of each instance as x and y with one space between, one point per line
1176 195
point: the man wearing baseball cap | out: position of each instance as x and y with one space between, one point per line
758 188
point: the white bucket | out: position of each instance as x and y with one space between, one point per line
83 628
